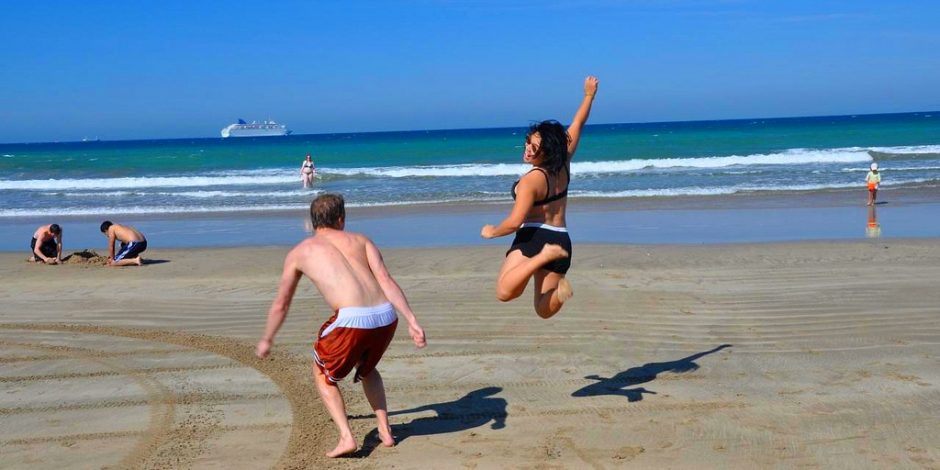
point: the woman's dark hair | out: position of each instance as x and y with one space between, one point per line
105 226
54 228
554 147
327 210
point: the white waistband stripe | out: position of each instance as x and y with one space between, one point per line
366 318
543 226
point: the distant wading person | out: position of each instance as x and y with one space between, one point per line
873 178
307 171
133 243
348 270
542 248
46 245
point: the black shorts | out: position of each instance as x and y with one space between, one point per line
49 248
530 241
131 250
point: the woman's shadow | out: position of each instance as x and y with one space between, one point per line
617 385
472 410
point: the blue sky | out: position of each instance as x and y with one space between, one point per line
133 69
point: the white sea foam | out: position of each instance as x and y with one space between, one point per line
141 183
132 210
689 191
191 194
95 194
283 176
465 170
230 194
138 210
484 198
789 157
892 169
912 149
709 191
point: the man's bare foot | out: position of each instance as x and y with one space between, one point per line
388 440
553 252
345 446
563 292
140 261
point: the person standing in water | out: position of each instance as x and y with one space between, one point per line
873 178
541 248
308 171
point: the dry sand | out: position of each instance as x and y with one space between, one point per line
784 355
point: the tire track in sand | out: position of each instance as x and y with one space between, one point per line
290 372
159 398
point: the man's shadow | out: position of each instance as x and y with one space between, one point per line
617 385
472 410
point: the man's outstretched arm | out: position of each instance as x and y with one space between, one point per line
394 293
278 311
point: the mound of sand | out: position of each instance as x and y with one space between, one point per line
85 257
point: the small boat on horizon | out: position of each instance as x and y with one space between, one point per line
267 128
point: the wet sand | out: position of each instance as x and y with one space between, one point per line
821 354
757 217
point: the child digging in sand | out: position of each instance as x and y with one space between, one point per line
348 270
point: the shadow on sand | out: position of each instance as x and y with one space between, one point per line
617 385
472 410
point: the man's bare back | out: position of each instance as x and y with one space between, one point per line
133 243
350 274
338 264
47 244
44 233
127 234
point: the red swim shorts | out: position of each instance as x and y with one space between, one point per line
354 337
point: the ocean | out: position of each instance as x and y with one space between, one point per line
214 175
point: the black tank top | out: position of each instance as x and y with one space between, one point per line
549 197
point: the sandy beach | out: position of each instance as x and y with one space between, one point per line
820 354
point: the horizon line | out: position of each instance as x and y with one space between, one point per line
820 116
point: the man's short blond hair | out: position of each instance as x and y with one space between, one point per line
327 210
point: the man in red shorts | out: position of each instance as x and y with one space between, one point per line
348 270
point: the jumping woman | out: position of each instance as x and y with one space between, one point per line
542 248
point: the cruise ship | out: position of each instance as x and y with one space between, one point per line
254 129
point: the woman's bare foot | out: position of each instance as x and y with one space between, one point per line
553 252
563 292
388 440
345 446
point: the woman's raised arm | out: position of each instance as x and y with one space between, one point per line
581 117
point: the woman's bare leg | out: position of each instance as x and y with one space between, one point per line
518 269
552 290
